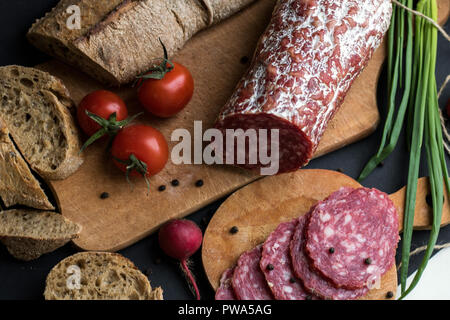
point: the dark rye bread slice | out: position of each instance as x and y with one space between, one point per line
35 107
104 276
28 234
119 40
17 183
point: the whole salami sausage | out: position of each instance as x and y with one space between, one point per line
304 64
312 281
225 290
248 280
276 264
352 238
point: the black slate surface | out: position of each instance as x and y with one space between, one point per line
19 280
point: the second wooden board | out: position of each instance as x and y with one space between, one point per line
278 199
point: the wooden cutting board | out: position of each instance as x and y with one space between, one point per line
215 60
278 199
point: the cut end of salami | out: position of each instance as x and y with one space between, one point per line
352 237
225 290
286 146
248 280
304 65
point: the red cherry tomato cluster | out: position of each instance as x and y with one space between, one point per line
136 149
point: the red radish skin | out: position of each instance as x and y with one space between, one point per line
180 239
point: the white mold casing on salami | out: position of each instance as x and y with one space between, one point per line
304 64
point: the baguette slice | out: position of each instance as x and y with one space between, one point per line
51 35
119 40
29 234
17 183
35 107
104 276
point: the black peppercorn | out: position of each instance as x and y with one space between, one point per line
161 188
175 183
244 60
199 183
368 261
389 295
270 267
234 230
104 195
331 250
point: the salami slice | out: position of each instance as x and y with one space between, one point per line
312 281
248 280
305 63
225 290
352 238
276 264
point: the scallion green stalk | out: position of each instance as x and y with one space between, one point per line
437 166
416 145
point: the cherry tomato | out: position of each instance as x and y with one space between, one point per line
168 96
102 103
144 144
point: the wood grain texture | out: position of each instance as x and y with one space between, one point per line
278 199
213 57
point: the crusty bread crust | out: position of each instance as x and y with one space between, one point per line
17 183
118 43
104 276
28 234
35 107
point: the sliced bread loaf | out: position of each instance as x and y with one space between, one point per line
17 183
29 234
51 34
102 276
119 40
35 108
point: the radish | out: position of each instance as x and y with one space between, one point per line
180 239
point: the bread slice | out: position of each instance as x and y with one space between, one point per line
119 40
17 183
35 107
29 234
103 276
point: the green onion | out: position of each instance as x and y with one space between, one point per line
413 69
400 36
434 148
416 144
393 130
